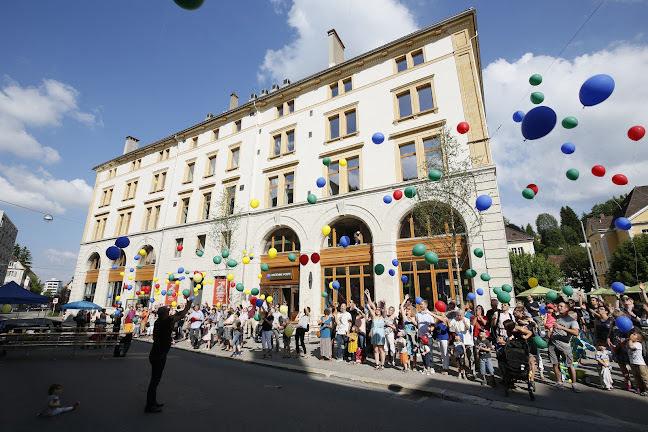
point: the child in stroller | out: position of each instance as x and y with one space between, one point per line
514 358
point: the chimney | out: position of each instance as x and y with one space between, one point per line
131 144
233 101
336 48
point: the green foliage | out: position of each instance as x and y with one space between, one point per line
553 238
525 266
571 237
529 230
568 218
35 284
629 266
545 222
576 268
23 255
607 208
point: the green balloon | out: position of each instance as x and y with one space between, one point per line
551 295
225 253
539 342
254 291
528 193
257 317
537 97
326 161
239 287
312 199
570 122
572 174
410 191
217 259
485 277
568 291
324 294
508 288
171 277
379 269
265 267
187 272
434 175
504 297
232 263
199 253
535 79
478 252
186 292
497 290
292 257
189 4
471 273
112 315
431 257
139 266
418 249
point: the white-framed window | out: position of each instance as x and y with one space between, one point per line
409 60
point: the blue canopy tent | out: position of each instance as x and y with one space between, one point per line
85 305
12 293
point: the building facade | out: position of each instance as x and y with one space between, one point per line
19 273
273 149
518 241
52 286
8 234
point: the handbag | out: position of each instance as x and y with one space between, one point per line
319 334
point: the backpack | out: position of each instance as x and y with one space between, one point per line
516 359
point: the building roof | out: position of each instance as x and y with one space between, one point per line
468 12
636 200
513 234
556 259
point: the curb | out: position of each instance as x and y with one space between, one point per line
435 392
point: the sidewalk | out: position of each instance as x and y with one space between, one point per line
593 406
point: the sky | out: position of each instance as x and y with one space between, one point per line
77 77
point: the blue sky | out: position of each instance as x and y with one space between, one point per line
77 77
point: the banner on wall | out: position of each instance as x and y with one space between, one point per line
167 298
220 291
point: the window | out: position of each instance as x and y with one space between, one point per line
285 108
348 85
178 243
420 152
184 210
164 155
159 181
350 117
149 258
433 153
211 166
100 227
342 122
272 189
280 110
189 172
215 134
334 90
290 135
193 143
409 60
280 188
644 231
284 240
409 169
353 174
123 223
234 157
283 141
435 219
200 244
152 217
414 99
277 145
237 126
289 187
136 164
89 292
291 106
343 179
130 190
339 87
112 173
230 197
334 127
106 197
206 207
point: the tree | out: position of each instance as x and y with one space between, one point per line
553 238
607 208
22 254
529 230
576 268
35 284
629 263
545 222
525 266
571 237
568 218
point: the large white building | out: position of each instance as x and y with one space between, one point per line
8 233
53 286
273 148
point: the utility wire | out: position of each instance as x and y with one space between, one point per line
39 211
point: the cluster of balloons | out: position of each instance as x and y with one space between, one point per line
114 252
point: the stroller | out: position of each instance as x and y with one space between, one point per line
515 365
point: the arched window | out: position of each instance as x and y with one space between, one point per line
94 262
355 229
121 262
149 258
429 219
284 240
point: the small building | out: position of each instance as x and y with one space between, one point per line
8 233
19 273
518 241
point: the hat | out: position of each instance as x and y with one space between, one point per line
425 340
550 306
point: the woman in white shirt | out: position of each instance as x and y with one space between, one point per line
303 323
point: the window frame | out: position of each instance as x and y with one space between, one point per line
341 113
409 60
160 177
226 186
106 196
181 208
124 218
237 126
230 158
285 108
280 175
282 134
176 252
130 190
340 84
211 156
413 89
190 171
351 152
205 205
417 136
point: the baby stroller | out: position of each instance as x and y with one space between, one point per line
515 365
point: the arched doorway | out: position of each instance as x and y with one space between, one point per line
351 267
92 276
144 276
442 230
282 280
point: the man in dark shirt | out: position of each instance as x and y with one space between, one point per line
161 346
532 306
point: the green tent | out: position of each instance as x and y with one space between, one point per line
599 291
608 291
538 291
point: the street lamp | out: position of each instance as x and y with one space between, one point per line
48 218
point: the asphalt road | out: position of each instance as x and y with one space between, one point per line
203 391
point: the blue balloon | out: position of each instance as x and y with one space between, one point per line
623 223
192 298
387 199
480 291
518 116
618 287
568 148
152 300
114 267
471 296
268 276
122 242
113 253
395 262
181 278
259 302
404 279
543 310
624 323
321 182
484 202
163 292
336 285
109 295
180 269
117 312
345 241
538 122
596 89
119 302
418 300
391 272
378 138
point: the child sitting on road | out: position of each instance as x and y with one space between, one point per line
401 347
605 370
54 402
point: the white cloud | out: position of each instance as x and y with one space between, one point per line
362 25
37 107
600 137
41 191
61 258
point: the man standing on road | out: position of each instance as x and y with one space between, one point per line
559 337
158 356
251 322
128 319
196 318
342 333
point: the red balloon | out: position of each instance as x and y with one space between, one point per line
315 258
157 285
463 127
398 194
440 306
233 284
179 248
303 259
635 133
137 293
533 187
115 305
619 179
598 170
253 300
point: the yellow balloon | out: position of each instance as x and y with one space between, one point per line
155 279
254 203
174 304
247 291
326 230
218 304
246 260
251 255
6 308
142 252
260 276
269 299
117 298
166 281
211 281
121 273
533 282
130 277
331 285
204 275
244 252
283 309
198 286
230 277
170 273
177 282
262 296
198 278
343 162
131 296
272 252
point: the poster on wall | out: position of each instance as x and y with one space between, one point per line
167 298
220 291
